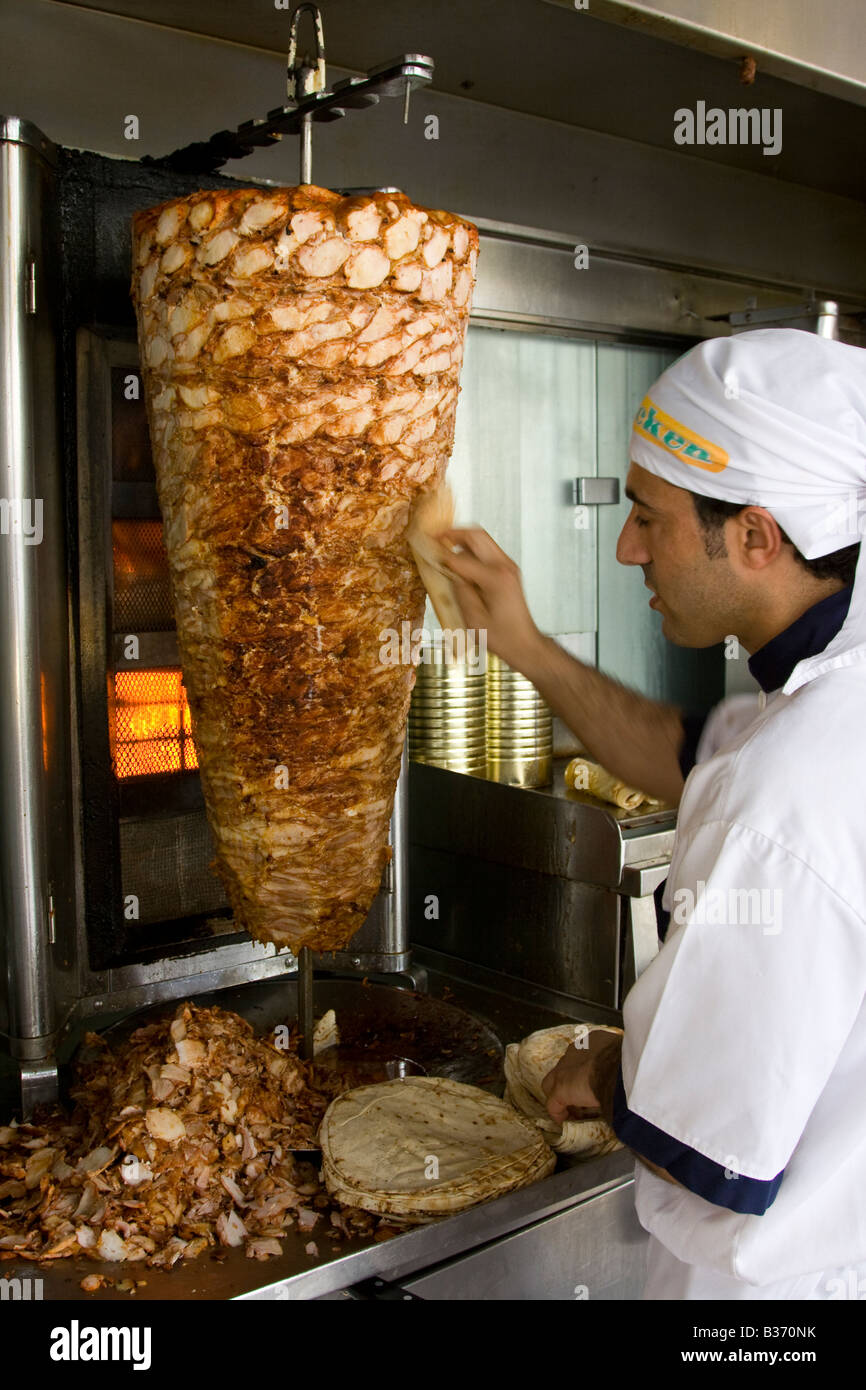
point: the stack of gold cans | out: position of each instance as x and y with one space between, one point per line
519 729
490 723
447 717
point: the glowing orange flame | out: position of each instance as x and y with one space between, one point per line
152 726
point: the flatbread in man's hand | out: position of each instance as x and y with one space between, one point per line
527 1063
434 513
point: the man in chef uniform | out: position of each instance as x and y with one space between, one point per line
739 1083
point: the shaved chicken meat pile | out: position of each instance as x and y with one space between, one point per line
300 353
180 1141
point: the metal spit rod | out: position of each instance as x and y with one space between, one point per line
383 942
303 78
305 1001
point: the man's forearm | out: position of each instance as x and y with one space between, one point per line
633 737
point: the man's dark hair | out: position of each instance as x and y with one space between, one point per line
712 514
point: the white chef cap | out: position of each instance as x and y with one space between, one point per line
776 418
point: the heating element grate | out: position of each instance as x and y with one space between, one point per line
152 725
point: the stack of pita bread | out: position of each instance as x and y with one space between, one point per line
526 1065
425 1147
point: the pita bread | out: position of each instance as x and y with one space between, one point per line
527 1063
583 775
434 513
325 1033
426 1146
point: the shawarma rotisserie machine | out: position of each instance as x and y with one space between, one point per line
106 897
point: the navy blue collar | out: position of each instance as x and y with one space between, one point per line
809 634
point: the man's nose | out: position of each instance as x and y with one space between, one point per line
630 548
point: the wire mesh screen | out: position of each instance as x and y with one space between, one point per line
142 596
152 725
165 867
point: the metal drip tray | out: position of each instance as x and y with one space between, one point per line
384 1031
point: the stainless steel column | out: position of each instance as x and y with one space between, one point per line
396 943
32 574
382 944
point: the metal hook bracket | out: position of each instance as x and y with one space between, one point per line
302 78
309 100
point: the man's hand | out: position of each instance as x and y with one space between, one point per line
580 1087
634 738
489 591
570 1087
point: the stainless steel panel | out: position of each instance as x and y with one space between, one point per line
818 46
531 883
620 294
526 423
820 316
641 940
166 868
515 1007
643 877
649 839
155 649
35 878
594 1252
549 830
556 933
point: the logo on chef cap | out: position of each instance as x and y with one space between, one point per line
667 433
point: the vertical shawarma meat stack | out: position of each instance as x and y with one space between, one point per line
300 353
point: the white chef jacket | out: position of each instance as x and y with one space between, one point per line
727 719
745 1039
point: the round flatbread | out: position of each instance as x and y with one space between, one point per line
527 1063
425 1146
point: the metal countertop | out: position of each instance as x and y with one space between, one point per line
513 1009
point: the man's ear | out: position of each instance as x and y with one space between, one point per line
755 537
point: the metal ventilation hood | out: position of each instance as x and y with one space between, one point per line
819 46
541 58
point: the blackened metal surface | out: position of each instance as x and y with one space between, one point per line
97 198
